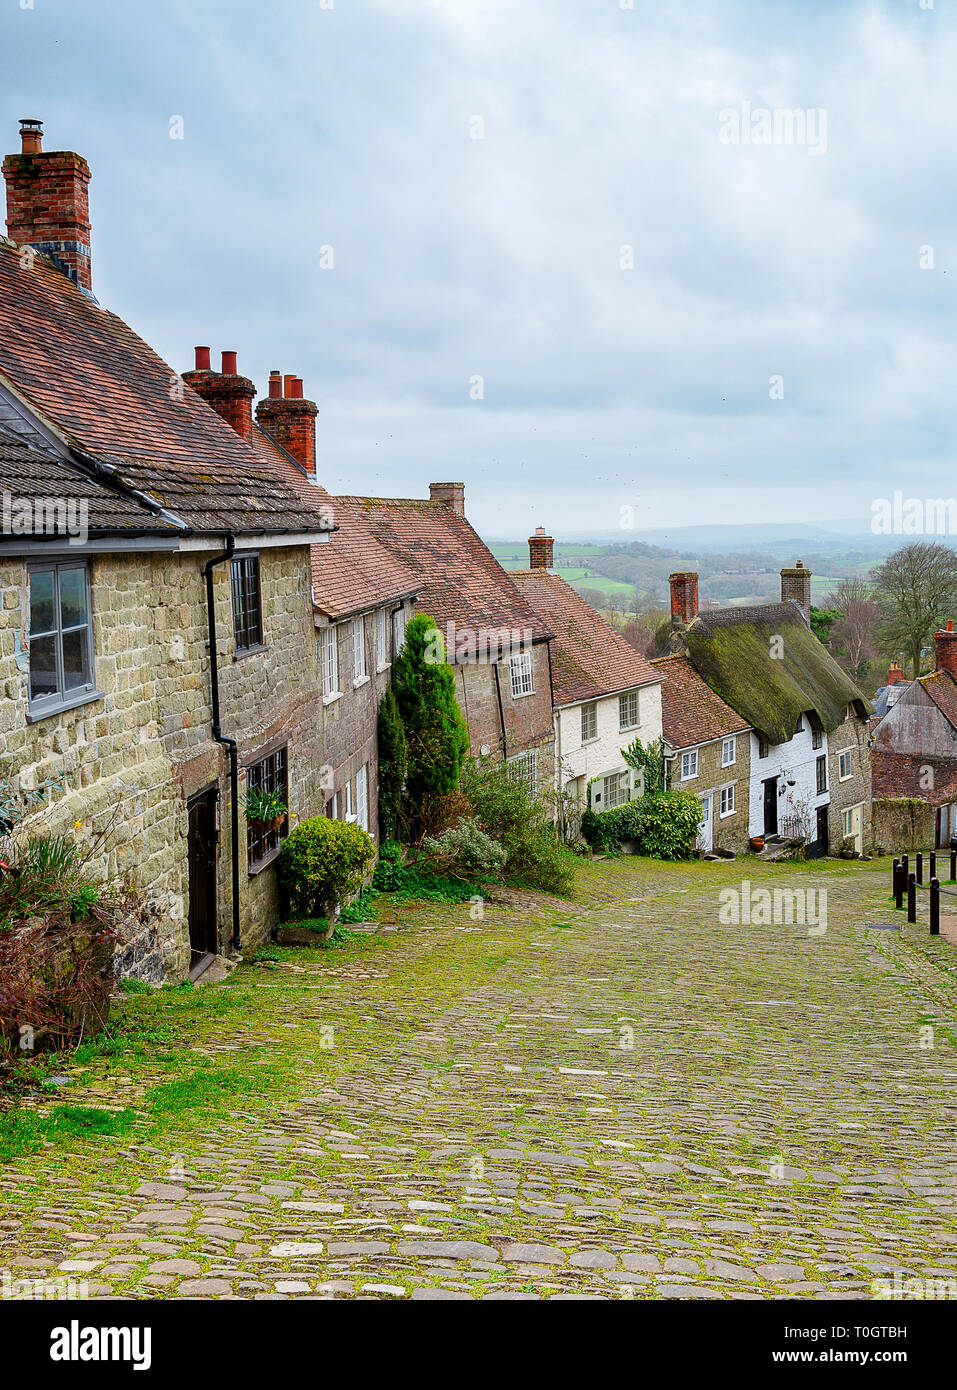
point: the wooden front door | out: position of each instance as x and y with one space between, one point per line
771 806
202 845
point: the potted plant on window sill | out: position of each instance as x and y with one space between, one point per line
264 809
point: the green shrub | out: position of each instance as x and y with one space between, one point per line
436 734
417 879
321 862
393 765
505 810
464 851
664 825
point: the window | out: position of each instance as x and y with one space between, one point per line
350 814
247 602
332 807
728 751
358 649
615 790
270 775
817 738
589 722
61 636
727 801
689 765
521 668
844 765
398 631
821 764
524 768
799 726
762 748
381 654
362 798
628 710
847 824
330 662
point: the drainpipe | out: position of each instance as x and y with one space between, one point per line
228 743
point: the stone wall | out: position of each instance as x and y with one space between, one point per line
903 825
728 832
856 790
133 757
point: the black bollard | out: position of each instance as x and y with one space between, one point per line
912 897
934 907
920 867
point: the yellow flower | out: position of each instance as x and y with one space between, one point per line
77 825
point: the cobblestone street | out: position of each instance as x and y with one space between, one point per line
618 1097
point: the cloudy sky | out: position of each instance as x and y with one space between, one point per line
560 272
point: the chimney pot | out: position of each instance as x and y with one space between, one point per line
202 359
684 596
287 383
452 494
275 385
297 388
31 136
229 364
289 420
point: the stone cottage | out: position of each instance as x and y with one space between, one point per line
810 769
604 694
157 635
497 643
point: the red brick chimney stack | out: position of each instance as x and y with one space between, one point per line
48 205
796 589
540 550
230 394
684 596
452 494
894 674
289 419
945 645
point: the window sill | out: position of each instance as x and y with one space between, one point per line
628 728
34 716
382 666
331 699
242 653
350 820
359 682
264 863
725 815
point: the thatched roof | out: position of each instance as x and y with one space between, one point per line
769 683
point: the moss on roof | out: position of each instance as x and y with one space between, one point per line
733 650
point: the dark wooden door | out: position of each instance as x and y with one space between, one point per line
771 806
203 838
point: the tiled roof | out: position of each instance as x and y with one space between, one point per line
691 712
589 658
905 774
942 689
28 474
462 582
768 666
106 391
351 572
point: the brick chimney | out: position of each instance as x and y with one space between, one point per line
230 394
684 596
289 419
894 674
540 550
796 589
945 645
48 204
452 494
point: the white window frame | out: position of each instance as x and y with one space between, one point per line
524 768
590 712
726 806
729 751
520 669
841 775
689 760
398 632
381 640
350 814
52 702
330 664
359 673
362 797
625 702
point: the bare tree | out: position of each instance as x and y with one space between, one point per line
916 589
641 631
854 635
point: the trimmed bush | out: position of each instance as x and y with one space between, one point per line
505 810
664 825
321 862
393 764
436 734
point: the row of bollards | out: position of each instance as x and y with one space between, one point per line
906 882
